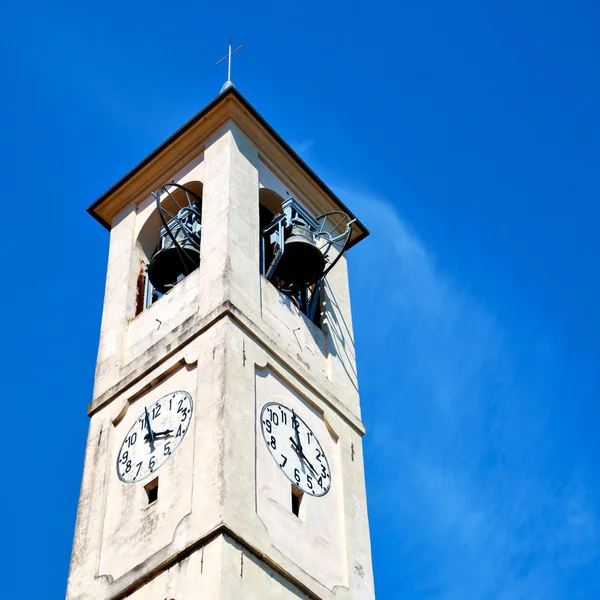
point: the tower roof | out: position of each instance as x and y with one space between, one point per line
167 158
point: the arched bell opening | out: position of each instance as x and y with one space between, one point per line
169 241
290 257
298 249
269 206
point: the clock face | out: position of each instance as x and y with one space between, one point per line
154 436
295 448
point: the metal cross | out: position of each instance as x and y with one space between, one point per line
228 56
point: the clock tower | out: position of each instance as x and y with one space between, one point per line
224 455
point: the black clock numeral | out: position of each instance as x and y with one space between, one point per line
180 432
319 454
324 472
124 457
131 439
183 410
152 463
139 468
297 475
283 417
320 482
284 460
156 411
308 436
273 416
268 426
309 482
142 422
167 450
128 466
273 443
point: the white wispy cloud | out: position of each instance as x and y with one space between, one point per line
460 457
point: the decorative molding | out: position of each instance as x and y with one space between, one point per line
164 374
121 588
190 140
194 327
283 376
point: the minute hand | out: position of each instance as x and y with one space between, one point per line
296 427
302 456
150 434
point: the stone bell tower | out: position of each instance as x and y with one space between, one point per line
224 456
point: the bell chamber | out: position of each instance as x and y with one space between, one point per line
298 250
178 250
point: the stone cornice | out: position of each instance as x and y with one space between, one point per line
127 585
189 330
187 142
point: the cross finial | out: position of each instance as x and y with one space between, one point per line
228 56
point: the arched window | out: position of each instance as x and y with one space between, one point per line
287 222
169 242
270 205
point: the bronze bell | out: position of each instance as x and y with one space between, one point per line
171 263
302 263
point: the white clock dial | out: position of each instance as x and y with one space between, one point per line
154 436
295 448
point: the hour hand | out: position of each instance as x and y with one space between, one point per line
165 432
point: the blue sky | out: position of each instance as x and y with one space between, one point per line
466 135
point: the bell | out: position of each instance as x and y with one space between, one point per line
302 263
172 262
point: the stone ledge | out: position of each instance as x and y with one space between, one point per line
124 586
190 330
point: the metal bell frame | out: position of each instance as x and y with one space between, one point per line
297 216
186 222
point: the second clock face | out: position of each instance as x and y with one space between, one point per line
295 448
154 436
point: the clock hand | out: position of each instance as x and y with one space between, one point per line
311 467
302 456
296 426
150 434
298 451
165 432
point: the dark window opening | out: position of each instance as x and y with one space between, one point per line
297 496
140 290
265 218
152 491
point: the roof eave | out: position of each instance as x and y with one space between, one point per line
230 91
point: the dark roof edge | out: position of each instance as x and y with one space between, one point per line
197 117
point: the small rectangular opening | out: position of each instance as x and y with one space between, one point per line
296 500
152 491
